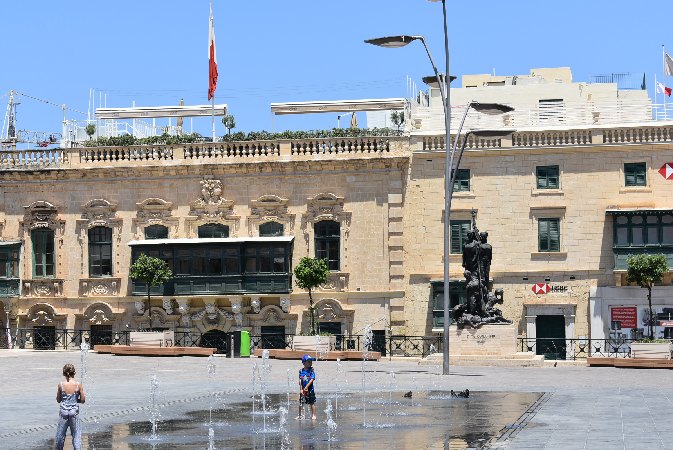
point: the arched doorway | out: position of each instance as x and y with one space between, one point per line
215 339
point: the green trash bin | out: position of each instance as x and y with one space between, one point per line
245 344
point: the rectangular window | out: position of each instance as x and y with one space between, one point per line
100 252
461 183
328 242
547 177
43 253
9 262
549 235
635 174
459 229
640 230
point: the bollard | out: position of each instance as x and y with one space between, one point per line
231 345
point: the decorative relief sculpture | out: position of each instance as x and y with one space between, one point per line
255 304
481 304
212 207
140 307
285 304
154 211
269 208
168 306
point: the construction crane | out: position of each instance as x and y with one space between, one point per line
10 136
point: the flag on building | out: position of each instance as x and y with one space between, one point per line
668 64
212 58
661 89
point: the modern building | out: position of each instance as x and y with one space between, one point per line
585 180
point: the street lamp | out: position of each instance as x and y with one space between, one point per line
486 108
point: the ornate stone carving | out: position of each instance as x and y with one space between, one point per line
99 287
154 211
211 207
43 314
99 213
168 306
336 282
237 309
98 314
211 314
255 304
285 304
269 208
42 214
183 309
273 315
42 287
330 310
140 307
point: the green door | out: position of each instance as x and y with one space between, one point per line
550 335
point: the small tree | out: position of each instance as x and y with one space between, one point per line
90 130
309 274
229 122
152 271
397 118
646 270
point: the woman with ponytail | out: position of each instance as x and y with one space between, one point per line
70 394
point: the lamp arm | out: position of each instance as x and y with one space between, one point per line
455 145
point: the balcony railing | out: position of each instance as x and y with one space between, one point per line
225 284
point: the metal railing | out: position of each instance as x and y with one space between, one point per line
49 338
574 349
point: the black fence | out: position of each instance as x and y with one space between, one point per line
574 349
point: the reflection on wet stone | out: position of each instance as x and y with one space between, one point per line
436 420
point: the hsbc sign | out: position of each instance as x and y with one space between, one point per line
666 171
545 288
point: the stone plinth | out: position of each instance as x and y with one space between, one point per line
489 340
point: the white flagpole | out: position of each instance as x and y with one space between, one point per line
213 103
663 61
656 89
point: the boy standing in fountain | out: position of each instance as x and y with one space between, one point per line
306 392
69 394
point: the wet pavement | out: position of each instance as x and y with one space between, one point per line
593 408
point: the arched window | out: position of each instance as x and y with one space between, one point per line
100 251
270 229
213 230
327 242
156 232
43 253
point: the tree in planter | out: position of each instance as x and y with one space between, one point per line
646 270
90 130
229 122
309 274
397 118
153 272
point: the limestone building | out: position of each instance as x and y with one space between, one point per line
582 183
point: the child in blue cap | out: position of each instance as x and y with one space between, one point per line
306 380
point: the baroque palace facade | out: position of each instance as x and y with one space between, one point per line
565 199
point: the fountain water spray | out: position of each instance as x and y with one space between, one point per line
337 381
391 387
84 351
211 378
366 345
263 379
211 439
282 425
254 387
289 387
154 406
331 424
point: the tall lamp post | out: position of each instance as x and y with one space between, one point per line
449 174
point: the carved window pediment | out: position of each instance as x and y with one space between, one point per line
98 213
41 214
154 211
270 208
212 207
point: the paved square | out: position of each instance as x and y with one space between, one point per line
592 408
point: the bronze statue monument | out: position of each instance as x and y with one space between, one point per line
481 304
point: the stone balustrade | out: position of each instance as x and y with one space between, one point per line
327 148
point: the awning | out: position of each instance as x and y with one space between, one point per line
380 104
279 239
159 112
638 210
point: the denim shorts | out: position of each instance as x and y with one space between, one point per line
307 399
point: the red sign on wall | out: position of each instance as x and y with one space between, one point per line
627 315
666 171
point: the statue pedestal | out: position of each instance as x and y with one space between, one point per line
489 340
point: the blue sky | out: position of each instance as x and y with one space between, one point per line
155 51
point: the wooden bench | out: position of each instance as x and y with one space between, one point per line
152 338
137 350
635 363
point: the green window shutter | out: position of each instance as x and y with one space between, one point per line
635 174
461 182
459 229
547 177
549 235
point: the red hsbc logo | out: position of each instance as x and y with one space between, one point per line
666 171
540 288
